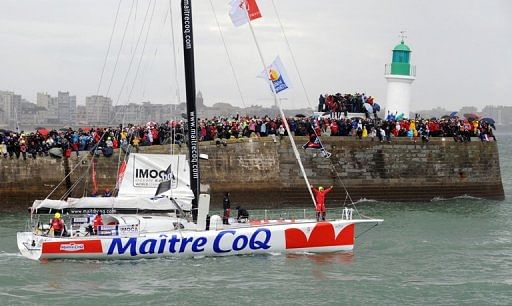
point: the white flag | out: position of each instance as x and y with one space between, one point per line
241 11
278 76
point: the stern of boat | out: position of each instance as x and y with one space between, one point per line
30 245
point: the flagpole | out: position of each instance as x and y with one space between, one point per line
283 117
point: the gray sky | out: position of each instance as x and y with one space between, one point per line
462 49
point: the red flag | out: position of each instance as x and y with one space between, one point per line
93 174
253 9
120 174
241 9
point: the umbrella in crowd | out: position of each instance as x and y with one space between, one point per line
300 116
56 152
376 107
84 129
151 124
368 107
43 131
489 121
471 116
452 114
446 117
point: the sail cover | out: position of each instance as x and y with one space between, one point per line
145 172
109 205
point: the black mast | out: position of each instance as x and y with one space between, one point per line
190 85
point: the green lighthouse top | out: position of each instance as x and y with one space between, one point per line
402 47
400 64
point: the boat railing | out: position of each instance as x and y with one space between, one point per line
344 213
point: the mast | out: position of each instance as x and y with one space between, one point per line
190 85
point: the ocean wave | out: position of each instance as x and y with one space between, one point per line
5 254
461 197
363 200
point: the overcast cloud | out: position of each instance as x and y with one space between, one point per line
462 49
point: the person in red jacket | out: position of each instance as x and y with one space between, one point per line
98 220
57 225
320 194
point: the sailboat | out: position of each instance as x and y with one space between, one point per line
160 210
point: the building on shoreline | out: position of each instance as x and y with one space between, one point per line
98 110
63 111
10 103
66 108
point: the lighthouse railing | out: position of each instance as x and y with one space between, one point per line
412 70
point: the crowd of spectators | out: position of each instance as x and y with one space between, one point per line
96 140
105 140
346 103
460 129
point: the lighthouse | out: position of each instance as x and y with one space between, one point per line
400 74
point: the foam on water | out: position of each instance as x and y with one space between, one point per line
462 197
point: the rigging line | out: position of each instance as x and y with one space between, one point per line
174 47
108 49
293 56
176 81
68 192
71 171
361 234
134 25
278 103
346 190
175 70
334 169
150 68
120 48
133 55
137 71
229 57
95 149
120 150
142 52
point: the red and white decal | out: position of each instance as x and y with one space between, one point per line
322 235
72 247
85 246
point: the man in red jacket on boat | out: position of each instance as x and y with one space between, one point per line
98 221
320 194
57 225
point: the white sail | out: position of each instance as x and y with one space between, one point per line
145 172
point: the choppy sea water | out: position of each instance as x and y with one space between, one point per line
444 252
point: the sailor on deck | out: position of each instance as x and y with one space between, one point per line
242 215
226 205
98 221
57 225
320 194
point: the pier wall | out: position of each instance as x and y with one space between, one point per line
263 173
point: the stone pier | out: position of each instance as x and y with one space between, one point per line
261 173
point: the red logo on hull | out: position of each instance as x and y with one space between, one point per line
85 246
322 235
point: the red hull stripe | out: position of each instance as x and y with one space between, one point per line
72 247
321 236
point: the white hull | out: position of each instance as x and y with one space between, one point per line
292 237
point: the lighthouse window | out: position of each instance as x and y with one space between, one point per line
400 57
